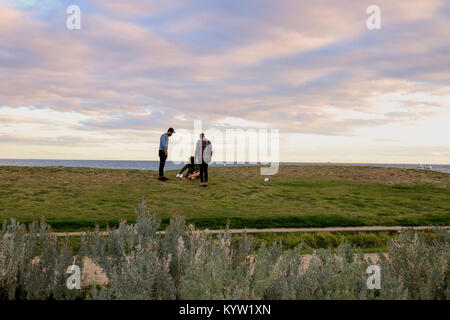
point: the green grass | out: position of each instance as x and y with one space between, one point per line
299 196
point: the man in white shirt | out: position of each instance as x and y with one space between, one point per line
203 154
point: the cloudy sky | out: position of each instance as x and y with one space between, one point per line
335 90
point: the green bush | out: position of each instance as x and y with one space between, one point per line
369 240
188 264
316 240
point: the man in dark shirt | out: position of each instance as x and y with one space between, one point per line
163 152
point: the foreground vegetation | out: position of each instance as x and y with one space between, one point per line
369 241
74 199
188 264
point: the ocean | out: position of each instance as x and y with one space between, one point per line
153 165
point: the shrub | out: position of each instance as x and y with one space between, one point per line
32 265
416 269
140 263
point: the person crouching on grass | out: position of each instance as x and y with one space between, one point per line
203 154
193 170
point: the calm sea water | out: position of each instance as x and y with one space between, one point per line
153 165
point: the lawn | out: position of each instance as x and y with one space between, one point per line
73 199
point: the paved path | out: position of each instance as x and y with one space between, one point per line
284 230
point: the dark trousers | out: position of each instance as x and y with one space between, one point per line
162 162
203 172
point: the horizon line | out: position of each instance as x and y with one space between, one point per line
235 162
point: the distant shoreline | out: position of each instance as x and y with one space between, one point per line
171 165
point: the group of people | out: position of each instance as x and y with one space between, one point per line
197 167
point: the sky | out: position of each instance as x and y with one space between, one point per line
335 90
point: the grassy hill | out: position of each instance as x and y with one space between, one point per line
298 196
